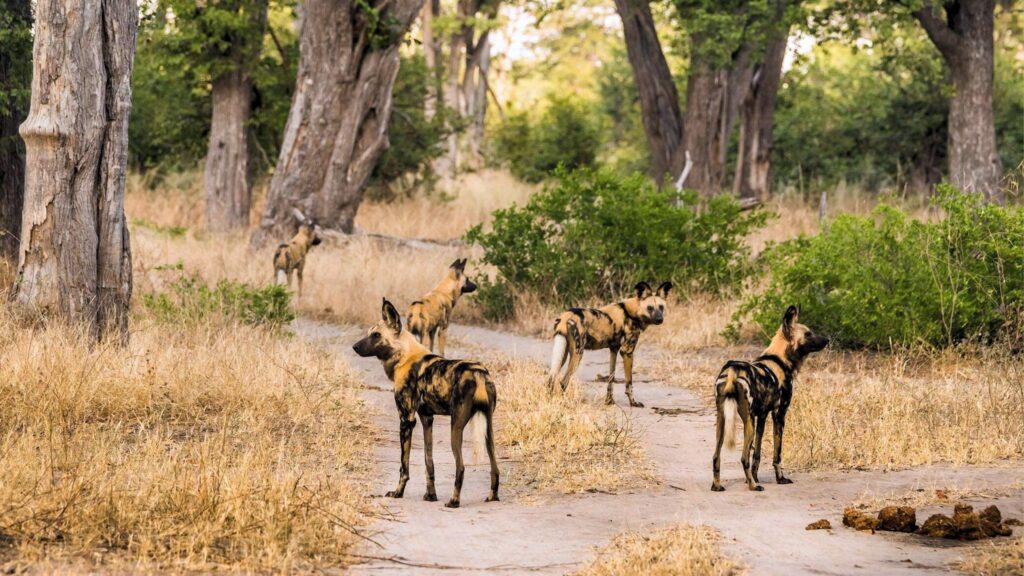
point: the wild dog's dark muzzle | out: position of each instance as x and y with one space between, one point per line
364 348
468 287
657 318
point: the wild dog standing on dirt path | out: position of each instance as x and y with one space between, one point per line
756 389
616 327
291 257
428 385
428 318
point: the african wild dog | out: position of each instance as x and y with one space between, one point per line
428 318
428 385
759 388
616 327
291 257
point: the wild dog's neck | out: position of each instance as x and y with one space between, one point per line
449 288
408 351
631 307
780 348
303 238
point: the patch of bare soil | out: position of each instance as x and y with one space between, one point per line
764 530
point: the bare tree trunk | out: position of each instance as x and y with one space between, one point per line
227 177
448 164
706 110
337 126
753 160
965 40
15 76
659 100
431 54
75 257
478 117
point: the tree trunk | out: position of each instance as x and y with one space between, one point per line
431 54
448 164
706 111
227 177
753 160
659 100
338 122
15 76
965 40
474 79
75 257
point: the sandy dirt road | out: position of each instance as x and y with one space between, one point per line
559 534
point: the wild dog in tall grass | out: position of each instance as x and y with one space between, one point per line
428 385
428 317
757 389
291 257
616 327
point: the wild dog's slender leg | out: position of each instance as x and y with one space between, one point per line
627 366
460 417
493 496
408 422
442 338
428 455
431 337
758 435
298 274
575 355
778 423
748 442
716 462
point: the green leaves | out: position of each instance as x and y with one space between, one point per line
189 300
565 134
592 234
889 280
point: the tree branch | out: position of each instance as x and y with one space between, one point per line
944 38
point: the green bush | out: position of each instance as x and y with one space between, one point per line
594 234
888 280
189 300
564 135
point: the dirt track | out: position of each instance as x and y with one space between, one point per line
763 529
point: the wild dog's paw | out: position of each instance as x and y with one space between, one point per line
636 404
717 488
452 504
758 488
782 480
492 498
609 400
393 494
430 497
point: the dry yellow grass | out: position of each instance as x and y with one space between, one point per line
190 449
994 558
887 411
681 550
932 495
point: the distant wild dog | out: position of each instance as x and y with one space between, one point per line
428 385
428 318
291 257
759 388
616 327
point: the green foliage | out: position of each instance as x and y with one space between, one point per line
565 135
415 140
189 300
892 281
595 234
619 103
15 55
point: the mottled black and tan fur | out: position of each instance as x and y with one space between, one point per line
291 257
428 318
616 327
759 388
428 385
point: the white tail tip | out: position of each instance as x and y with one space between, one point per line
282 278
558 355
478 430
729 407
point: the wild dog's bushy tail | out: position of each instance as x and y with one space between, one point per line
415 321
478 431
729 409
281 264
558 352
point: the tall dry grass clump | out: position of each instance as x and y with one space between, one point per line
994 559
190 449
681 550
564 442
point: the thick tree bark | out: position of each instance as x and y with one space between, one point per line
707 91
965 40
75 257
338 122
431 55
753 160
227 178
14 78
659 100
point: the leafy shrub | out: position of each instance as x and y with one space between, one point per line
889 280
594 234
189 300
565 134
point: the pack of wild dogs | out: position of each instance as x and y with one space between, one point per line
426 384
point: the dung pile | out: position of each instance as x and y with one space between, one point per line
966 524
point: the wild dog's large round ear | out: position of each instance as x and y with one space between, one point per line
390 315
459 265
643 290
789 320
664 289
